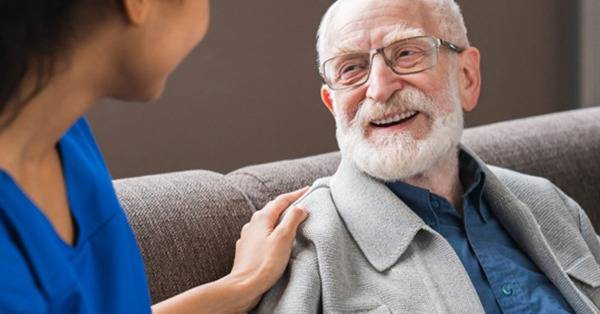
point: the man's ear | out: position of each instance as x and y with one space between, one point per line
136 11
470 78
326 97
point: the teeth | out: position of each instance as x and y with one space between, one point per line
395 118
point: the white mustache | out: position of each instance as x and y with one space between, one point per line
409 99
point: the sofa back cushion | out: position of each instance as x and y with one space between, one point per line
563 147
186 225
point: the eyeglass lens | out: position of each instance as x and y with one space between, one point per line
403 57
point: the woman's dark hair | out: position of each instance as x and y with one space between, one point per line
33 35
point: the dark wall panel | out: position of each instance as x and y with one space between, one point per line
528 57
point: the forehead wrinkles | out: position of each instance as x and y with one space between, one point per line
363 41
360 25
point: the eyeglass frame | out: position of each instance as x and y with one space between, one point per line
373 52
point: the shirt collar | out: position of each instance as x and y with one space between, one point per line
471 175
412 196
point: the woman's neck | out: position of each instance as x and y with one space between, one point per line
32 136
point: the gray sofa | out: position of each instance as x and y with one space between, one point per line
187 223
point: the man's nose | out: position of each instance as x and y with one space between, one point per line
383 82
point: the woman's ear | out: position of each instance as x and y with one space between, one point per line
470 78
136 11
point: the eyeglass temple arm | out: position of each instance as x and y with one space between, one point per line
451 46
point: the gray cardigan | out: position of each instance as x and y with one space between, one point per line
362 250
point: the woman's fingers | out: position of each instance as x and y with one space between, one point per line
286 230
272 211
263 251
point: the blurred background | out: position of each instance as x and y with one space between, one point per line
249 93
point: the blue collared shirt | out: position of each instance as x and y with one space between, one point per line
506 280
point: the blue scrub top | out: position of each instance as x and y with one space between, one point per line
102 272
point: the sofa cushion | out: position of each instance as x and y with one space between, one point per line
563 147
186 225
262 183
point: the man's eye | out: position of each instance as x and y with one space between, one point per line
351 70
348 68
408 53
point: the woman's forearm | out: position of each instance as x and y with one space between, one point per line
227 295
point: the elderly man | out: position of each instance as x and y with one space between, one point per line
412 221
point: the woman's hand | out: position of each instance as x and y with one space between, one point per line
264 248
261 255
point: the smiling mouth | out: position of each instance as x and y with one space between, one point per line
394 120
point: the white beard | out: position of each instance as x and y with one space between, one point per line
401 156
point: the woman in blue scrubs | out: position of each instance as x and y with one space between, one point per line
65 244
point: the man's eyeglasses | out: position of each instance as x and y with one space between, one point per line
406 56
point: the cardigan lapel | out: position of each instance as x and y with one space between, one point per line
380 223
521 225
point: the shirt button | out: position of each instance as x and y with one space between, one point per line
435 203
507 290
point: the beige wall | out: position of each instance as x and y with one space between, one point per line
250 92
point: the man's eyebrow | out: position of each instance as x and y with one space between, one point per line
348 46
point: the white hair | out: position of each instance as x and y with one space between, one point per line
447 12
